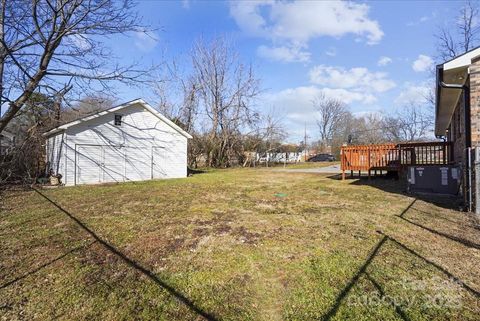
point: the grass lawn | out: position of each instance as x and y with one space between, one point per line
237 244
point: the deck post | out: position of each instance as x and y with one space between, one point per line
369 162
351 173
343 175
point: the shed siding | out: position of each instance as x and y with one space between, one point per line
127 149
55 149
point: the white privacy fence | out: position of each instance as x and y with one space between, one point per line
290 157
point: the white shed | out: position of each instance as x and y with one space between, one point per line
130 142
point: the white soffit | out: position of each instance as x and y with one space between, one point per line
462 61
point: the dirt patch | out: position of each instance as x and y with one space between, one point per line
245 236
202 232
220 226
97 255
156 246
222 229
199 232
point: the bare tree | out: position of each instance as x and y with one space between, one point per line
226 90
369 129
48 46
25 160
331 114
86 106
410 123
178 95
215 102
452 42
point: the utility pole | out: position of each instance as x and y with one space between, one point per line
305 141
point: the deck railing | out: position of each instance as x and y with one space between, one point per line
394 157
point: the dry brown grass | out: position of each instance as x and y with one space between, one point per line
237 244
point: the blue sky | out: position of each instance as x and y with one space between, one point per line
375 56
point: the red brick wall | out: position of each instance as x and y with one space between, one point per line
475 101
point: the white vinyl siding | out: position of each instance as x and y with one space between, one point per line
159 162
98 151
88 164
138 164
55 149
113 166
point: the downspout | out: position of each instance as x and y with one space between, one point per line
468 130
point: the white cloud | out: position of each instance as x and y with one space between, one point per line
285 54
294 23
416 93
296 105
383 61
145 41
297 102
423 63
354 87
248 18
358 78
349 97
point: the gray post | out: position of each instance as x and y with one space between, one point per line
469 149
477 180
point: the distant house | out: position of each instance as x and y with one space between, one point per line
129 142
7 141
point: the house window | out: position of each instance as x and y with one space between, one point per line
118 120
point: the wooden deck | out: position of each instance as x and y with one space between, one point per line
394 157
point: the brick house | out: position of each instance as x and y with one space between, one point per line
457 110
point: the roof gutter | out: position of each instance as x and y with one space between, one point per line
439 79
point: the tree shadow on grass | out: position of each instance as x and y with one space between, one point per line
362 271
137 266
444 201
460 240
351 283
381 290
